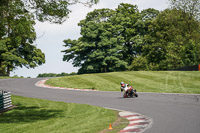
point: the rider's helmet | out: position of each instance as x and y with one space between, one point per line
122 83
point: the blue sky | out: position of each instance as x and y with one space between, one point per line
50 36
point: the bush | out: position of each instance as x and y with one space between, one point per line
138 64
55 75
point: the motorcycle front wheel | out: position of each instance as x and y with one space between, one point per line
136 95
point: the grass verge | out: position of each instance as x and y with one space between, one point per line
143 81
117 126
8 77
42 116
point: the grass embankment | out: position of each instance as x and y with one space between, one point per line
8 77
42 116
143 81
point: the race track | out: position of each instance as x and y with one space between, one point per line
171 113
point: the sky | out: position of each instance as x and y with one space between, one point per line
50 37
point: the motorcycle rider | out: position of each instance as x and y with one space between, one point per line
122 86
125 87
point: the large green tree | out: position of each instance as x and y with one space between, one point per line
111 39
173 41
17 37
99 49
17 34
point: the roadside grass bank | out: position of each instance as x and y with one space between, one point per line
42 116
3 77
144 81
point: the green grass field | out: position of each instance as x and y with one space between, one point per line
43 116
143 81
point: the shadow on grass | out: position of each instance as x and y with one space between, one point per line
29 114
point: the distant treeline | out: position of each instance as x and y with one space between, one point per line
55 75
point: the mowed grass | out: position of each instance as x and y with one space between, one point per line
8 77
143 81
43 116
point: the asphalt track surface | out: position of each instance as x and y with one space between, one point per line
171 113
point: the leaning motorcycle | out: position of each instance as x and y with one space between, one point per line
130 92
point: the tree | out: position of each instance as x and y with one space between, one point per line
139 64
192 7
111 39
55 11
135 26
17 34
127 17
99 49
16 39
173 41
145 19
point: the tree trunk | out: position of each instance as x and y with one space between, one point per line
8 71
105 69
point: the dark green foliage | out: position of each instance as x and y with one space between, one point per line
173 41
140 63
55 75
17 34
17 37
99 49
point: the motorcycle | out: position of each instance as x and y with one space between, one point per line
129 91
